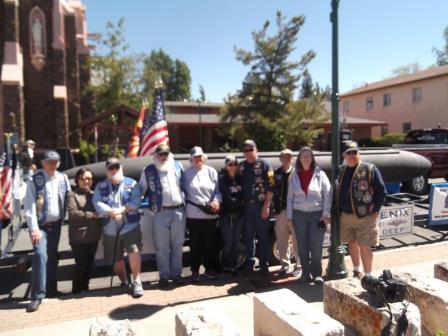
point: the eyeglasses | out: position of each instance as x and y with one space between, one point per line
352 152
85 178
232 165
248 150
113 167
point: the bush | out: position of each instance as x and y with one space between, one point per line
386 140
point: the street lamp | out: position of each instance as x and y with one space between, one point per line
336 266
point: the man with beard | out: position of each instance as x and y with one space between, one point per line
114 202
161 183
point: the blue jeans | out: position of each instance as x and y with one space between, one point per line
231 227
310 239
45 263
254 224
169 234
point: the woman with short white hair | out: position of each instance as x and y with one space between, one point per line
202 198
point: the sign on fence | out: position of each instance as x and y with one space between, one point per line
438 204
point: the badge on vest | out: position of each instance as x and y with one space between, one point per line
363 185
261 197
359 195
367 198
154 208
362 210
152 186
39 180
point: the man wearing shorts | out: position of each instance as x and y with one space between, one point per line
360 194
113 200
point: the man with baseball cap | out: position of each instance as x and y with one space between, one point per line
114 202
45 202
359 196
160 182
258 188
282 230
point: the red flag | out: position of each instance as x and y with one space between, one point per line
134 144
5 187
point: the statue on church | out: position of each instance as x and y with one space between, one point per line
37 31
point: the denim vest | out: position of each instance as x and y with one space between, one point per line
105 188
154 192
361 192
42 195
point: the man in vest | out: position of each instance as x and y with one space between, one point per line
282 230
359 196
161 183
45 201
258 188
114 202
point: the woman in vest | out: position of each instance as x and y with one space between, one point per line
308 211
84 229
231 217
202 198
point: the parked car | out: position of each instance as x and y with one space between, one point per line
431 143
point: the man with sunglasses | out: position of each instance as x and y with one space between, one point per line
45 204
160 182
115 204
258 188
359 197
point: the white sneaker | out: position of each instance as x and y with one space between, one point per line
137 290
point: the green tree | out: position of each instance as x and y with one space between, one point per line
306 87
115 75
406 69
175 75
258 108
442 54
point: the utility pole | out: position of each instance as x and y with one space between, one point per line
336 266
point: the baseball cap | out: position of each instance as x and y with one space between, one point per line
286 151
196 151
350 145
51 155
231 158
250 143
163 149
112 162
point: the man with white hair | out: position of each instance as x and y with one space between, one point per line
115 204
161 183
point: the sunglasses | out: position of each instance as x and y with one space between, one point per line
113 167
246 150
232 165
351 152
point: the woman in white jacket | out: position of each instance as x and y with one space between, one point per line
308 210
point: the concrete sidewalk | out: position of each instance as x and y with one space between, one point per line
156 310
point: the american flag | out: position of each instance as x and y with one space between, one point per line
155 128
5 187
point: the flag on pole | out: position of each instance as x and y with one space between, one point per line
155 128
134 144
5 187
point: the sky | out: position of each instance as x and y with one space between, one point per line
375 36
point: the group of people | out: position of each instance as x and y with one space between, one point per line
241 200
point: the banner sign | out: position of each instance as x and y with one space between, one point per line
392 221
438 204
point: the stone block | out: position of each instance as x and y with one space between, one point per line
112 328
431 296
204 320
441 271
346 301
282 312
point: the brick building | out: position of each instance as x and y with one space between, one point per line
43 47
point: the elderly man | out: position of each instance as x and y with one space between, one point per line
161 183
116 206
258 189
282 230
45 201
360 194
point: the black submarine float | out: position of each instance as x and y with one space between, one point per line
395 165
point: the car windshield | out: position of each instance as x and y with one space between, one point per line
427 137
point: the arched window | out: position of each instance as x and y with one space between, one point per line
38 37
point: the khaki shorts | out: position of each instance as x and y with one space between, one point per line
363 230
130 242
